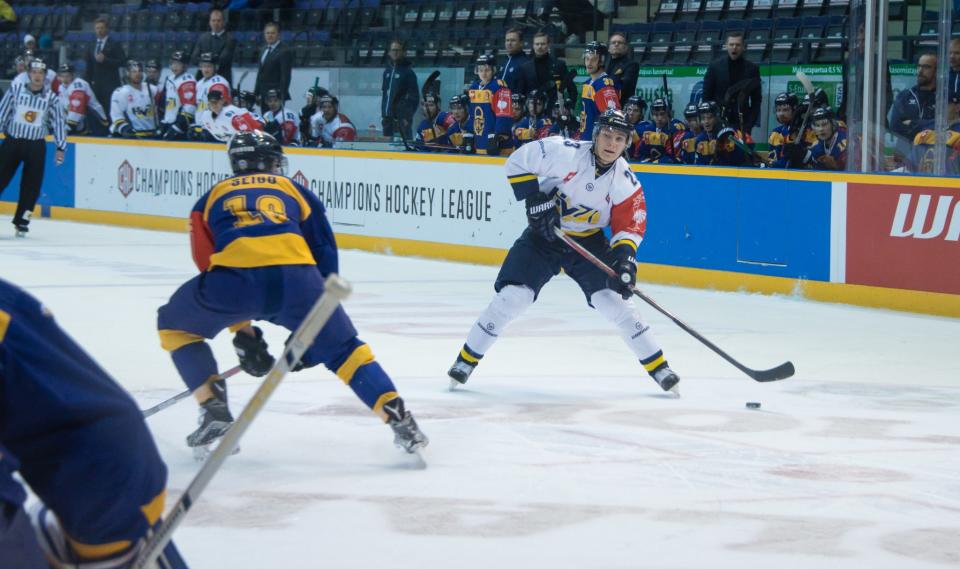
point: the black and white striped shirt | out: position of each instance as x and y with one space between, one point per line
28 115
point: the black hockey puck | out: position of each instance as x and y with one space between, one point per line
753 404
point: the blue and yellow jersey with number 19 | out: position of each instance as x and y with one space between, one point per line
261 220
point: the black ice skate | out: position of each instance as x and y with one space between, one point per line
666 379
215 420
21 229
460 372
407 435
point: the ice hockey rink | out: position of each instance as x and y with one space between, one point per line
560 452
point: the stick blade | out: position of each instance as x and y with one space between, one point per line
807 83
782 371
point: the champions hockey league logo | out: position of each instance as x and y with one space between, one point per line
301 179
125 178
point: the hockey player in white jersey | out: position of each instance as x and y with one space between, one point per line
133 106
208 82
180 106
78 99
221 121
581 187
280 123
328 126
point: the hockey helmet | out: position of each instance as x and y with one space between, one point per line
134 65
248 98
215 95
659 104
461 100
690 111
256 151
207 58
786 99
538 95
328 98
152 64
487 59
519 98
37 65
180 56
613 119
822 113
432 97
708 108
272 94
819 99
66 68
597 47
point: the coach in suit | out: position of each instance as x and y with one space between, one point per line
276 62
218 42
103 64
733 70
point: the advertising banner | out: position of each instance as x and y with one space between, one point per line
905 237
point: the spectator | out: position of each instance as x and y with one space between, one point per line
400 93
329 126
622 66
728 77
516 57
220 43
8 18
103 64
276 63
546 73
914 109
954 59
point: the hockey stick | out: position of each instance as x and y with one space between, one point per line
336 290
184 394
782 371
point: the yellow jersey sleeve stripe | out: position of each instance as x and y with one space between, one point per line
171 340
238 326
98 551
383 400
153 509
625 242
361 356
4 324
521 178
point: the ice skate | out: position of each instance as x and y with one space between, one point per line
20 230
460 372
407 434
215 420
666 379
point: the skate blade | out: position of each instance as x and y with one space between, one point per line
203 452
674 391
454 384
20 234
416 460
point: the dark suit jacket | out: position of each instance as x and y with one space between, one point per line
274 71
222 47
721 75
540 72
104 76
627 71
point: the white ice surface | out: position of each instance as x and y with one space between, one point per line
560 452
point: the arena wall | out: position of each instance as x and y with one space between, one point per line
874 240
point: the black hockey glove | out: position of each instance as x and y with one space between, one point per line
797 155
300 363
273 129
126 131
255 359
468 147
543 215
622 260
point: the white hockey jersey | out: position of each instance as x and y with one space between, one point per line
288 122
181 97
51 81
588 202
338 129
77 98
229 122
204 86
136 107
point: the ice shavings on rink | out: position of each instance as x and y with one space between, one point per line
560 451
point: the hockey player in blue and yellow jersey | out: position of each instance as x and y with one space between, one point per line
80 443
433 128
924 144
687 144
830 151
657 136
263 245
460 133
535 125
490 110
717 144
600 92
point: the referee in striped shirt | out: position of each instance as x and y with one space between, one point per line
26 112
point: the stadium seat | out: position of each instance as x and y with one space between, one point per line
760 9
738 9
708 38
691 10
411 15
831 51
659 43
758 39
930 23
519 11
463 13
896 9
500 13
787 8
667 11
684 39
445 13
714 10
812 8
812 30
481 14
785 32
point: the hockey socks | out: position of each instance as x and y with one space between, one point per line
509 303
467 360
656 365
367 379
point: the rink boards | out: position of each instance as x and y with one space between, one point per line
887 241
